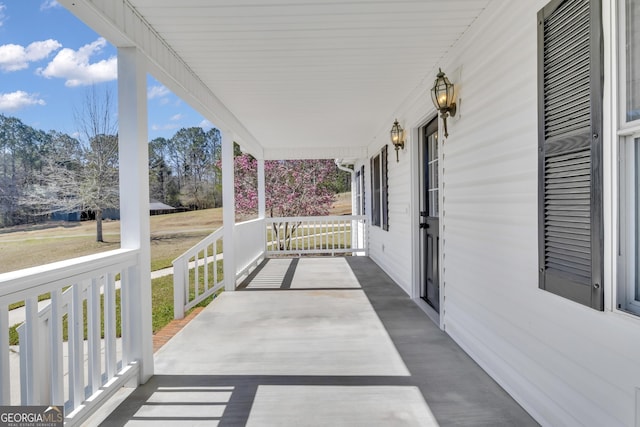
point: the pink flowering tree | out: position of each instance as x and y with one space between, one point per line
292 188
246 184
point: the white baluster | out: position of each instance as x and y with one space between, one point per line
57 357
28 345
5 385
76 347
93 331
110 326
126 277
178 289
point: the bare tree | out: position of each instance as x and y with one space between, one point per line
99 177
55 188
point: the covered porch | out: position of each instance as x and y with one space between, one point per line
460 207
316 341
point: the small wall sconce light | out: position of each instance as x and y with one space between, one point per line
442 95
397 137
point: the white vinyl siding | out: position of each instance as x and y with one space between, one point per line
565 363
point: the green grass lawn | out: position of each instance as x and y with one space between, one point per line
162 288
161 307
171 235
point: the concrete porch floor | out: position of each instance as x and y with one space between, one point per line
316 342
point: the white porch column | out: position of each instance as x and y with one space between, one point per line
228 213
261 191
262 202
134 197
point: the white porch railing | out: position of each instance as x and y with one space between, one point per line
75 287
250 244
329 235
197 274
202 264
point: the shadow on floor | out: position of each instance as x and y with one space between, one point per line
457 391
222 400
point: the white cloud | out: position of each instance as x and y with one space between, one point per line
49 4
206 124
14 101
3 17
167 126
177 117
157 92
76 68
14 57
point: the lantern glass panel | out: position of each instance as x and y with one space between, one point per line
396 134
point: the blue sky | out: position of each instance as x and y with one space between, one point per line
48 61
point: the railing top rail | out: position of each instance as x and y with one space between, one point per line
250 221
317 218
29 279
201 244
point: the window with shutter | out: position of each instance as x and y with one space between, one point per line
628 245
570 153
379 189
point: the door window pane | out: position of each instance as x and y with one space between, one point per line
432 161
632 38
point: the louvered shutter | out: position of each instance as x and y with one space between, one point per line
375 191
570 152
385 187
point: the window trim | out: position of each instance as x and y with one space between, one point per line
627 246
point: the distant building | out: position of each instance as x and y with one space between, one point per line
155 208
159 208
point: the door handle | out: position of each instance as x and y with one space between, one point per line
424 225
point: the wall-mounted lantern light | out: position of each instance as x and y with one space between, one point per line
397 137
442 95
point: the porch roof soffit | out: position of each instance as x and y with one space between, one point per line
304 79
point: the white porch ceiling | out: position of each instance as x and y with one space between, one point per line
311 75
